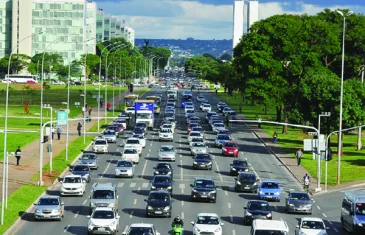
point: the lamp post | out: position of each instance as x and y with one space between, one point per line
158 66
341 96
47 106
68 105
6 125
324 114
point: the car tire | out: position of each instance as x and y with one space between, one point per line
214 201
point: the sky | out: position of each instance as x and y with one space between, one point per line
205 19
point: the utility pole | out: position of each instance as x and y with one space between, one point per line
359 142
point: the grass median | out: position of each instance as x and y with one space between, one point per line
19 202
352 161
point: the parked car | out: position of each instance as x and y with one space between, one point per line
49 208
124 168
256 209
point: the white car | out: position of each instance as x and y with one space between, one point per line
189 107
142 140
168 126
96 83
133 142
166 134
207 108
196 140
141 228
7 81
124 168
100 146
103 220
72 185
58 83
130 110
131 153
194 134
189 113
207 223
311 226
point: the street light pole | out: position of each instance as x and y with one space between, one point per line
324 114
341 96
68 105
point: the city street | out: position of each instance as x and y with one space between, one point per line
229 205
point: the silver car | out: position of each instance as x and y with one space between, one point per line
90 159
218 127
49 207
167 152
124 168
198 148
110 136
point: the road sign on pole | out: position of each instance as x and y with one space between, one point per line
62 117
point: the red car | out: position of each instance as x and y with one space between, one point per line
31 82
178 85
230 149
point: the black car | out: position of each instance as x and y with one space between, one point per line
142 125
221 107
298 202
203 161
138 131
203 189
164 168
209 114
246 181
159 203
161 182
237 166
256 209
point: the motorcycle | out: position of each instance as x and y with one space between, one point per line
177 229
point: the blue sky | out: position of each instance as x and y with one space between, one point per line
205 19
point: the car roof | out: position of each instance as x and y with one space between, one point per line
159 192
195 132
50 197
132 138
104 209
270 181
312 219
100 186
100 139
300 192
201 178
72 175
258 201
207 214
141 225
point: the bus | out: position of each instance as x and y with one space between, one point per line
21 78
130 100
157 103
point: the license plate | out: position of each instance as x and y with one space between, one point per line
230 152
247 188
101 229
158 212
46 216
202 164
269 196
204 196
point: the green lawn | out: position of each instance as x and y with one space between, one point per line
15 139
352 163
19 202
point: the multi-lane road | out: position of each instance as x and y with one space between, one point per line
229 205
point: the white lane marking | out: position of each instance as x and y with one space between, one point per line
329 222
276 208
151 144
132 185
77 213
324 215
226 193
144 167
84 202
233 232
335 230
131 215
182 203
125 230
106 169
182 173
66 228
182 215
231 218
229 205
318 208
119 185
281 219
144 185
148 155
219 172
182 186
135 201
257 176
149 150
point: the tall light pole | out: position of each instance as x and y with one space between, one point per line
341 96
323 114
6 125
158 65
68 105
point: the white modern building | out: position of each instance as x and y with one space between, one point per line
128 34
239 18
5 27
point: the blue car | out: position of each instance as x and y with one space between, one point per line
269 190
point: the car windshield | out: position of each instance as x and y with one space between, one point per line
124 164
162 166
197 129
223 137
81 168
206 105
263 206
208 220
230 145
103 215
130 151
88 157
203 156
165 130
138 130
189 111
140 231
130 108
299 196
159 197
204 184
247 177
197 144
167 149
360 208
239 163
195 134
218 125
161 180
141 125
103 194
71 180
131 141
144 116
197 140
307 224
109 133
270 232
270 185
100 142
167 126
48 201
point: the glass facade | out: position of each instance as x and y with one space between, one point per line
107 28
5 27
99 26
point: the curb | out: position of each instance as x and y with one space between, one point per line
15 226
338 190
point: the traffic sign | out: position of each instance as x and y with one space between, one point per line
62 117
311 145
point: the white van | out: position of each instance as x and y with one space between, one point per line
269 227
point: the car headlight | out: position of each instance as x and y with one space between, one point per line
224 149
291 204
169 187
149 208
198 230
277 193
233 169
153 187
166 208
268 215
359 224
217 230
209 163
111 204
156 172
91 224
195 163
213 192
195 191
169 173
56 210
92 204
248 214
37 211
194 150
261 192
255 184
239 183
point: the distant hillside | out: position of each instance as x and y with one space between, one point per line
190 47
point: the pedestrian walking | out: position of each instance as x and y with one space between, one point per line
52 131
241 107
18 154
89 110
299 155
259 123
216 91
101 103
306 181
59 131
79 128
108 106
275 136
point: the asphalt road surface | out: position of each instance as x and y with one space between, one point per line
229 206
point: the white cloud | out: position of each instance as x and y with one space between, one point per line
182 19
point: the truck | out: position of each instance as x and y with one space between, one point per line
145 112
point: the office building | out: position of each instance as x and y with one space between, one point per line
252 13
5 27
128 34
99 25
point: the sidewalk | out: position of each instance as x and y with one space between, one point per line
29 162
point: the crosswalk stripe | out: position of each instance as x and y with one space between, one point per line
182 185
120 185
144 185
132 185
